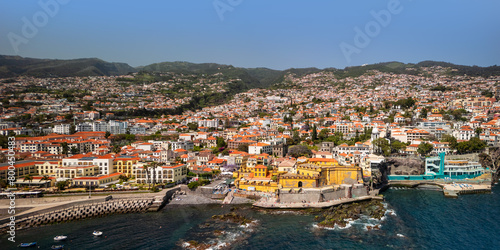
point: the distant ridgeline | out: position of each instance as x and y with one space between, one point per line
235 79
11 66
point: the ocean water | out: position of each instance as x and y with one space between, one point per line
417 219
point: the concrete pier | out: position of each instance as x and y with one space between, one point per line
163 198
449 189
453 190
229 198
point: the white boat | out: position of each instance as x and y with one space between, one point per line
97 233
60 237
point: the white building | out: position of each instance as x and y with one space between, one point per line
214 123
62 129
187 145
104 163
162 174
260 148
464 134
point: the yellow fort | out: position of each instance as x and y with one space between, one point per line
311 173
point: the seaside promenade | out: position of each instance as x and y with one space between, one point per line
30 206
273 203
39 207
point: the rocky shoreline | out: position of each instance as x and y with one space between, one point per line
341 215
221 231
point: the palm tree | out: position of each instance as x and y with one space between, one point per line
61 185
28 178
146 168
151 165
45 178
123 178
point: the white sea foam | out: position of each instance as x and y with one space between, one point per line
372 226
231 237
226 241
315 225
390 212
366 221
252 223
385 205
349 224
227 238
285 212
219 245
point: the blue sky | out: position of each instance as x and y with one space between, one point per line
276 34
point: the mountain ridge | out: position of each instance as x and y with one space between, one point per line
11 66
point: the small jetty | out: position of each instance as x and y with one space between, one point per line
163 198
453 190
229 197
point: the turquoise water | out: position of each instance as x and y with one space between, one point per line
423 220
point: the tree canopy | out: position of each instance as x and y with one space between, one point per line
474 144
299 150
424 148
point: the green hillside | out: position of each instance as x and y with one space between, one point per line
11 66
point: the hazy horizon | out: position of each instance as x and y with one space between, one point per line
277 35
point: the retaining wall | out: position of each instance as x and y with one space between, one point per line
332 194
325 194
359 191
302 195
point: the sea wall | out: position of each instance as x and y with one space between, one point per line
334 194
306 195
80 212
358 190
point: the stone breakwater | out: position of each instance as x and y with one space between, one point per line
79 210
82 212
